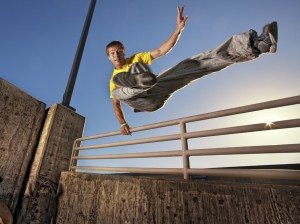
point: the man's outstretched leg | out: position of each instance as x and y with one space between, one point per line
239 48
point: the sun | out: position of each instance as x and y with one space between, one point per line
269 124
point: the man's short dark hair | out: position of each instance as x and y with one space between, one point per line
114 43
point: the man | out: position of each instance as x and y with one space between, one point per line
133 83
116 54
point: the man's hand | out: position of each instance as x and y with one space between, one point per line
181 19
125 130
170 43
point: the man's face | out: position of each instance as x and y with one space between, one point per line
116 55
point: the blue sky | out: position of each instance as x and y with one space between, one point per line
38 42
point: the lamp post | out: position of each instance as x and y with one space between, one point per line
76 62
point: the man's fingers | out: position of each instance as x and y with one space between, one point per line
182 8
185 19
125 130
181 11
180 15
128 131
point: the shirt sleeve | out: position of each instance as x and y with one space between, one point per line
145 57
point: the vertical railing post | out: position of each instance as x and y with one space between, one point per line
74 153
184 147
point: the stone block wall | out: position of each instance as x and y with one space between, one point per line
38 203
94 198
21 119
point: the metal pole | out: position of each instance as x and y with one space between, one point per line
77 59
184 147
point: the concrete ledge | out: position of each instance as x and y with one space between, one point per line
21 118
95 198
38 203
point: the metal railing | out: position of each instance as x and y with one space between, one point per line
186 153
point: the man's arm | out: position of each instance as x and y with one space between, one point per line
170 43
125 130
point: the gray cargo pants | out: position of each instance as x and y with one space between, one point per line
238 48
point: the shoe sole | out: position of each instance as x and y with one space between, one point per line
145 80
273 47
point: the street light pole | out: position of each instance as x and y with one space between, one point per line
76 62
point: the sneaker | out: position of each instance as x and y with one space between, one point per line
139 76
267 41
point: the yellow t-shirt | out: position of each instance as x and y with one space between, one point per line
144 57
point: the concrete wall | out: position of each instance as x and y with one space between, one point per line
28 140
62 126
21 118
93 198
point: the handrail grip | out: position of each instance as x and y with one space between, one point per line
185 153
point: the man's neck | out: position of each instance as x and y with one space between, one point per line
119 65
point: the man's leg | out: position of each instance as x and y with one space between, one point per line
125 93
238 48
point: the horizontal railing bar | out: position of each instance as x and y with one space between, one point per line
288 148
245 109
108 134
130 169
206 133
244 128
252 173
227 112
134 155
132 142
